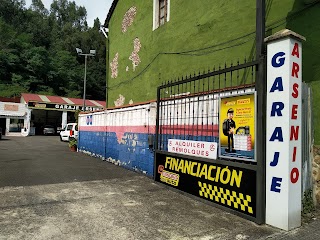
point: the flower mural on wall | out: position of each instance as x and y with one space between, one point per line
120 101
114 66
134 57
128 18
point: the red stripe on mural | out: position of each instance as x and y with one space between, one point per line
194 130
93 128
133 129
120 130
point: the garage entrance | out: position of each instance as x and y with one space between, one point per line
41 118
54 111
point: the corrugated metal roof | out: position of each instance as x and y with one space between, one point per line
28 97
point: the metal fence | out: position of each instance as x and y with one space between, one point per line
188 108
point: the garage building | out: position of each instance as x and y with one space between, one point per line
14 118
36 111
54 110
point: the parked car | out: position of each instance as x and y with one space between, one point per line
48 130
59 129
70 131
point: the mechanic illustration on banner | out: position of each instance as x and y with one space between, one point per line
237 125
229 129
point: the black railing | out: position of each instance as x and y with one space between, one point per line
188 108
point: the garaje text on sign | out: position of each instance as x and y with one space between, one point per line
277 109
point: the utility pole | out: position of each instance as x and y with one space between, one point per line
85 82
91 54
261 86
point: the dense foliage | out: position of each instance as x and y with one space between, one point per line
37 50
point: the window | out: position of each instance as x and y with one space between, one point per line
161 12
16 125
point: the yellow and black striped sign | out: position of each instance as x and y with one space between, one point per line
226 197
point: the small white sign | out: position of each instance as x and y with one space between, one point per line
193 148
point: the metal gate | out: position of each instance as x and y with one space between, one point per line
188 115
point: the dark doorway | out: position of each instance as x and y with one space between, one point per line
40 118
3 125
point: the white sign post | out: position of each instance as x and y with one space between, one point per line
283 150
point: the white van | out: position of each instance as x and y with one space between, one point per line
71 130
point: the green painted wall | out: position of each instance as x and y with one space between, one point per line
200 24
306 23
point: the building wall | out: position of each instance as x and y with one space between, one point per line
305 23
120 136
125 136
16 111
224 30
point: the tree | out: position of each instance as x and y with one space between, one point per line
68 12
38 7
37 50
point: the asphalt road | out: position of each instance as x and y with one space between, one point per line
49 192
38 160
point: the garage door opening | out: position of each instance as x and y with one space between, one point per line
42 118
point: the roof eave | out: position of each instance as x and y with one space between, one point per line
111 10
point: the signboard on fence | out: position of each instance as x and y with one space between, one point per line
193 148
237 127
231 187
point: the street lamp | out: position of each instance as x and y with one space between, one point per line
92 53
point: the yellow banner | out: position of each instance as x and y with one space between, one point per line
237 125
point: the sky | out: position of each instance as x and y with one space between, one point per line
95 8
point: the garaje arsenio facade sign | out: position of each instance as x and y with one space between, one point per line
283 155
231 187
60 107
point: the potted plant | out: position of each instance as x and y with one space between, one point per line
73 144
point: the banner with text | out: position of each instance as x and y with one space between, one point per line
231 187
237 127
60 107
193 148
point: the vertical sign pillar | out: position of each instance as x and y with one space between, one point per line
283 148
64 120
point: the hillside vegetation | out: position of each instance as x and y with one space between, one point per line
37 50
